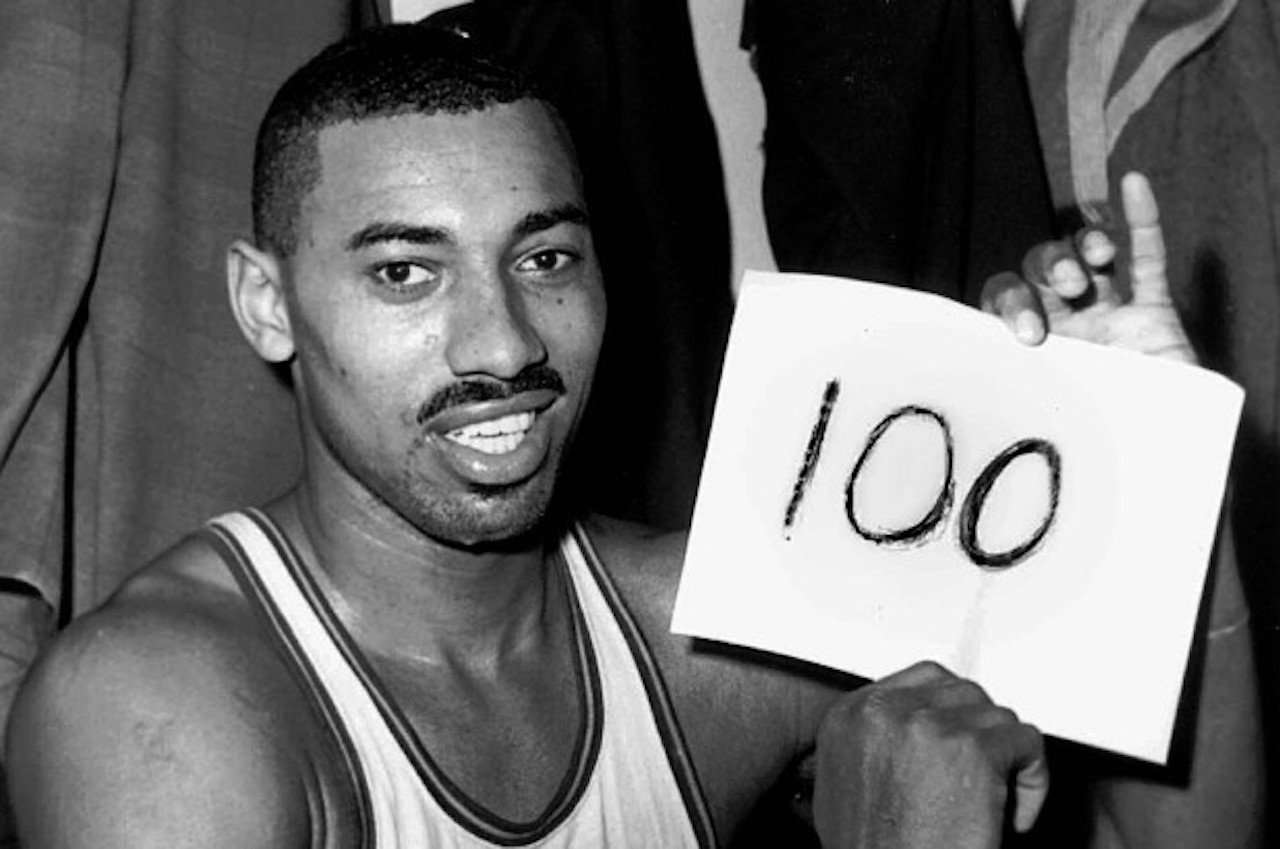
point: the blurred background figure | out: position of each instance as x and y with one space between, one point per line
900 145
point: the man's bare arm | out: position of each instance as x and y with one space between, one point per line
133 732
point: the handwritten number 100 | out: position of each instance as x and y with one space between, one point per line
970 510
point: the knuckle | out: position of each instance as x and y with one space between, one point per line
969 692
1004 715
877 710
862 712
924 728
933 669
982 748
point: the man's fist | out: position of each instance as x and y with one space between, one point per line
925 759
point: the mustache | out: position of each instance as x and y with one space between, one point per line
471 391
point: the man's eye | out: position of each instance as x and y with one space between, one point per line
403 275
546 261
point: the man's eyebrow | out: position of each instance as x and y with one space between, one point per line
394 231
535 222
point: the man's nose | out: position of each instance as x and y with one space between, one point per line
490 331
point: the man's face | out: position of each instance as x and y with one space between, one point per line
447 312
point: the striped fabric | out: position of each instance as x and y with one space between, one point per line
1092 64
631 781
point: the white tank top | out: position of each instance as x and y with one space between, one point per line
630 784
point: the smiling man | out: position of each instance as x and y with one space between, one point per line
445 310
423 643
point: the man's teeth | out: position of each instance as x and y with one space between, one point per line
495 436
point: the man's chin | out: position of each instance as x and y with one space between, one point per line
491 519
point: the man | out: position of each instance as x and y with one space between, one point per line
419 645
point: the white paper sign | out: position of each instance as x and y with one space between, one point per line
892 477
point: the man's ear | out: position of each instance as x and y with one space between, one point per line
255 283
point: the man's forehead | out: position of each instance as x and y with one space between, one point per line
517 139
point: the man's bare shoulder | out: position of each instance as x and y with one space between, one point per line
177 622
765 708
156 715
644 562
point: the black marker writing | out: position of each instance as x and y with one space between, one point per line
921 529
811 452
971 511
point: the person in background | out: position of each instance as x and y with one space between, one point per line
899 142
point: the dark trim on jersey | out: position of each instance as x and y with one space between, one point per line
659 698
464 810
228 547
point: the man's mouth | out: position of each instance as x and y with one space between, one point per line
494 436
495 441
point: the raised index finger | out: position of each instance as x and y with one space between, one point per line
1146 241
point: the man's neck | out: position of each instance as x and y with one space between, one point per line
406 596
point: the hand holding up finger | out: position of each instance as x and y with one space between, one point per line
1098 288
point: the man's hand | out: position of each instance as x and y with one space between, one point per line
1088 288
925 759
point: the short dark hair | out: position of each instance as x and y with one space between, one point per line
389 70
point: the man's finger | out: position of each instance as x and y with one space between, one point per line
1018 749
1095 247
917 675
1030 788
1017 302
1054 266
1097 251
969 697
1146 241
